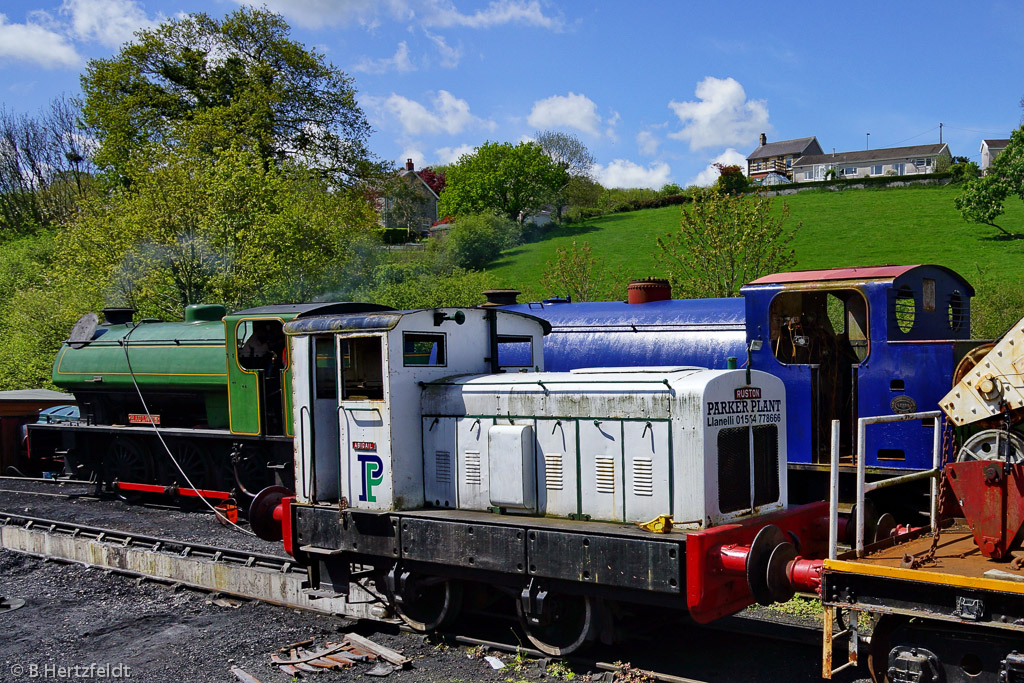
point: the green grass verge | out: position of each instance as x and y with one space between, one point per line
849 228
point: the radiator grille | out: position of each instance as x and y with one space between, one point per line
443 466
472 468
766 464
733 469
643 477
553 473
604 474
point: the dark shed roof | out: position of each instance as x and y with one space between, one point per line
785 147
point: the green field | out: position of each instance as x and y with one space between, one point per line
849 228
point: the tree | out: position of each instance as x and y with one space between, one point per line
583 192
475 241
982 199
434 179
226 230
574 272
731 179
567 151
572 156
501 178
44 169
725 241
212 84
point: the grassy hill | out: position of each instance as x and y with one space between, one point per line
850 228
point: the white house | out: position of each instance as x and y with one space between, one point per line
990 149
778 157
896 161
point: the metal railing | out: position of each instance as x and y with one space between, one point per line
863 487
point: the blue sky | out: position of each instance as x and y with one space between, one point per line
657 90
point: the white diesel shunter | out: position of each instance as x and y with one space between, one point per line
432 453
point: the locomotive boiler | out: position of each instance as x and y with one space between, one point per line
846 343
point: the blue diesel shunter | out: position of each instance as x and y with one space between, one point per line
847 343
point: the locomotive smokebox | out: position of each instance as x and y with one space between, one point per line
648 290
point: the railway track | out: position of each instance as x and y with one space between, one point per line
268 578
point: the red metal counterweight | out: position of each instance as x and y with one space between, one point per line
991 494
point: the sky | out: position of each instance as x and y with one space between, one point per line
658 91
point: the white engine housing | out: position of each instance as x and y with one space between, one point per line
613 444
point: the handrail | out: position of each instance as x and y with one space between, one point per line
863 487
306 481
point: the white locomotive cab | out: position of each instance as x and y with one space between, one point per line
355 399
612 444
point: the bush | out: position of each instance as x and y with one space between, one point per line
475 241
964 171
429 290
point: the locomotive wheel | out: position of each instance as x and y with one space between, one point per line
128 460
568 623
429 602
881 643
193 460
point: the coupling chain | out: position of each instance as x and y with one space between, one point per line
948 445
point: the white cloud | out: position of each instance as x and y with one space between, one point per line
434 13
444 14
449 114
611 122
108 22
400 62
450 155
35 43
722 115
626 174
319 13
647 143
709 175
450 56
567 111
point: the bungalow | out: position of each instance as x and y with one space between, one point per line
990 149
778 157
896 161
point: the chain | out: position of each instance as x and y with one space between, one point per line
948 445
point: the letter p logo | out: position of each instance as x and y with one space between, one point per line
373 475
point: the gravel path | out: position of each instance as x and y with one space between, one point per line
78 617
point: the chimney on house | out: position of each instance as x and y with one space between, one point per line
764 139
409 166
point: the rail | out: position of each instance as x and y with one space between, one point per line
863 486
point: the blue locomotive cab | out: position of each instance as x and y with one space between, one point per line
860 342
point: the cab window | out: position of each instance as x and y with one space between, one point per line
423 348
362 369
